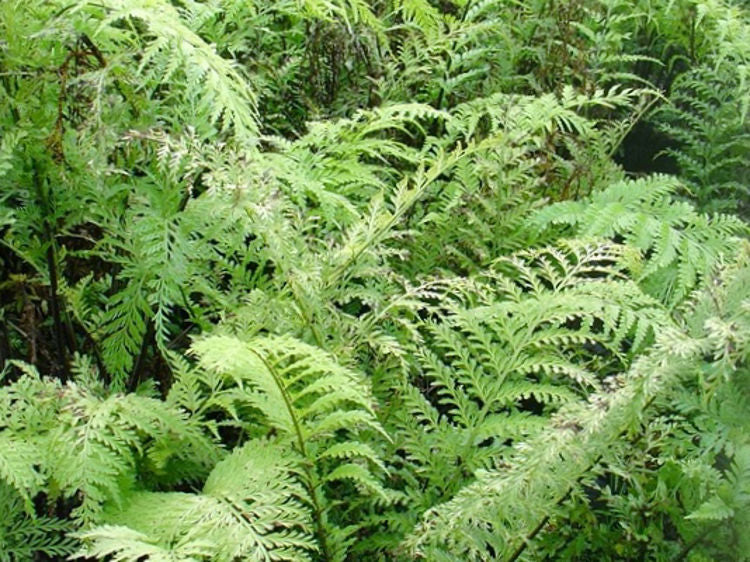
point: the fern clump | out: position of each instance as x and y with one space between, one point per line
711 142
538 484
338 280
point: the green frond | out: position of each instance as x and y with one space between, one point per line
303 394
24 535
338 280
214 86
678 245
251 507
87 446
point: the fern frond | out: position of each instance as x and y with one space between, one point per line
306 396
680 246
24 535
88 445
214 86
490 370
250 507
506 508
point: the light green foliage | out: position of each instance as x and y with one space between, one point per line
72 442
249 508
307 398
338 280
504 504
495 360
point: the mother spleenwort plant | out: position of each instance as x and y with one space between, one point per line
345 280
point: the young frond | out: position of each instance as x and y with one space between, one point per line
299 388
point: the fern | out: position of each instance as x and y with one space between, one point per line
88 446
212 85
336 279
307 398
22 536
496 512
678 247
491 364
711 142
250 507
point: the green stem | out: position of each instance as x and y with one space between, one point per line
306 315
308 465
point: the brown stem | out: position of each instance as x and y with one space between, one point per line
696 541
140 362
59 330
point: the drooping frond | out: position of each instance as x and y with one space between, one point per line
213 86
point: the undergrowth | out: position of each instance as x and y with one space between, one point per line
347 280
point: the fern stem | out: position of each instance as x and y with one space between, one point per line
438 126
5 349
307 465
140 361
634 119
60 332
307 316
696 541
532 535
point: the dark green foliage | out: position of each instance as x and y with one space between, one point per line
707 118
347 280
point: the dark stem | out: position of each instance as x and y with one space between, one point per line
97 54
696 541
438 123
59 331
5 350
148 336
536 530
140 362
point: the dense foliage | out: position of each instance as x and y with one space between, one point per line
374 280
